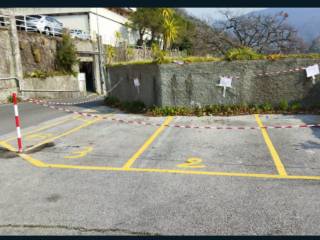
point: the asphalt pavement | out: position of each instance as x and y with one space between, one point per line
94 176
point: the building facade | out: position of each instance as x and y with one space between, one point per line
106 22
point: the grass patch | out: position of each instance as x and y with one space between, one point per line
45 74
231 56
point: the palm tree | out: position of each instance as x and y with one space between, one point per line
170 29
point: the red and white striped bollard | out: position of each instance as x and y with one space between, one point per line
16 114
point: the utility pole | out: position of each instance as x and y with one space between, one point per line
101 58
14 40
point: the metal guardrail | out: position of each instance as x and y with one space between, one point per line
4 21
28 24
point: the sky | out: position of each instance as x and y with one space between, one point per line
214 14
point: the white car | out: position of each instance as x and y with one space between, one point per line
77 33
40 23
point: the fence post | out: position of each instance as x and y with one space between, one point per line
16 114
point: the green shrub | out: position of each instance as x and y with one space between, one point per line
284 105
112 101
158 55
295 106
66 56
244 53
134 107
110 53
266 107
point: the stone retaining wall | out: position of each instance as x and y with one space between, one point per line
184 85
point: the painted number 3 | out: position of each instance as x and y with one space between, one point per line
192 163
80 154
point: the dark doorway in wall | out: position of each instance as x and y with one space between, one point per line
87 68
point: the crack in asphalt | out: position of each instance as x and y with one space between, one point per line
80 229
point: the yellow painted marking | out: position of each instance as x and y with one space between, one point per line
192 163
150 140
80 154
275 156
45 127
39 163
64 134
39 136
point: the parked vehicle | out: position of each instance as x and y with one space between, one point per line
40 23
77 33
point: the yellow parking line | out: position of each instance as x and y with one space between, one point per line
45 127
41 164
150 140
64 134
275 156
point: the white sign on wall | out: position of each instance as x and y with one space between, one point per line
136 83
312 71
225 82
81 76
82 81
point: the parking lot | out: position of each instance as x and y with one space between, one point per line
125 174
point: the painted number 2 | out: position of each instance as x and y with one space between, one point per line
192 163
80 154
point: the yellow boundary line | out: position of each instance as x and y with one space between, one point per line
45 127
275 156
40 164
149 141
64 134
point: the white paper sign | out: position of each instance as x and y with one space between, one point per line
81 76
136 82
225 82
312 71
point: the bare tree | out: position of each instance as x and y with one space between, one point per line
208 38
264 33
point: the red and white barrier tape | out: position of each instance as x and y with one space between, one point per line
179 126
16 114
297 69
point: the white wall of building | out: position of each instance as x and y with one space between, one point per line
106 23
79 21
90 20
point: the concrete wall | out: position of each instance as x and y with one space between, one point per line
6 66
182 85
121 79
7 87
52 87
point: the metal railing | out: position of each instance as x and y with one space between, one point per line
4 21
31 24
